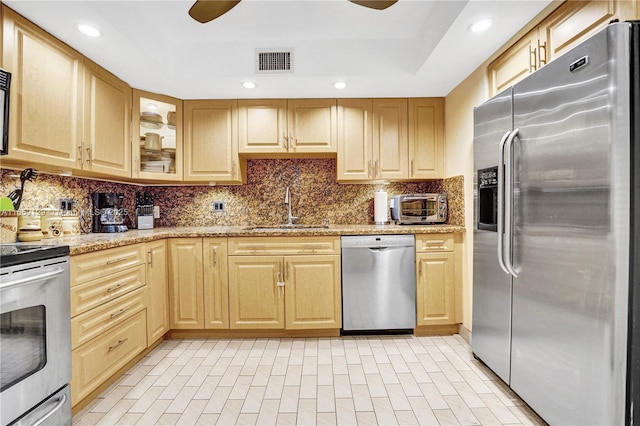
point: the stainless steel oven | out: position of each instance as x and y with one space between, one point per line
35 335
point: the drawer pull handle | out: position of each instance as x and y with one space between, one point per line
112 289
120 312
255 247
117 345
111 262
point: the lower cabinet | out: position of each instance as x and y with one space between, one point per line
437 280
284 290
198 283
158 290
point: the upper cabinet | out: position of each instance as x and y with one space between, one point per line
46 95
106 144
278 126
426 138
66 112
211 142
372 139
390 139
564 28
157 137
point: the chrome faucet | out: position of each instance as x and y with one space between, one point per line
287 201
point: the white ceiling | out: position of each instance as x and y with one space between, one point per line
413 48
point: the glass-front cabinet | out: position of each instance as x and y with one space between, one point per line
157 145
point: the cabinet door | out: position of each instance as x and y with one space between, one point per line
162 115
255 299
436 288
312 126
515 64
355 139
390 142
426 138
107 114
46 95
575 21
262 126
313 292
211 141
157 290
186 295
216 284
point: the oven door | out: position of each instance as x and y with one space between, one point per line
35 334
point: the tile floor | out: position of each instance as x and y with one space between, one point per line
385 380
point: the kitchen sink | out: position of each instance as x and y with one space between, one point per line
284 227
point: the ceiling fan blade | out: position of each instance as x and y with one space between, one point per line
375 4
204 11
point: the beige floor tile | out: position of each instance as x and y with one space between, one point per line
352 355
168 419
450 372
191 365
398 399
325 374
87 419
485 416
361 398
406 418
261 376
280 366
306 412
443 384
339 363
501 411
369 365
253 401
192 412
111 399
128 419
296 357
250 366
144 401
240 357
274 387
230 412
230 376
342 386
241 387
216 403
366 418
198 377
207 419
468 395
286 419
174 387
384 411
476 383
388 374
422 410
345 411
326 399
526 416
290 398
246 419
220 367
309 387
446 417
268 414
293 376
310 365
398 363
212 357
462 412
409 384
151 416
433 396
326 419
141 387
356 374
376 385
208 386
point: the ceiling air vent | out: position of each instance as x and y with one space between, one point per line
274 61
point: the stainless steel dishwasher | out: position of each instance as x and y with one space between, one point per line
378 283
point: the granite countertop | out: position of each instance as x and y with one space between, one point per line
93 242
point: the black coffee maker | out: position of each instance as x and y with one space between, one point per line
108 213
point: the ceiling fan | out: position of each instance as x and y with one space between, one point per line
207 10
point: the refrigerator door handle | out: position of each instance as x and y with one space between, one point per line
508 205
500 227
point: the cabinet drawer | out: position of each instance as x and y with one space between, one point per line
426 243
95 361
91 324
94 293
87 267
247 246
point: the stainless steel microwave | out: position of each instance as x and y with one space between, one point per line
5 83
419 208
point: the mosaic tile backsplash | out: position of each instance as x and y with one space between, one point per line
316 196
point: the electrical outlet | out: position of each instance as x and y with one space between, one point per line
65 204
218 206
156 212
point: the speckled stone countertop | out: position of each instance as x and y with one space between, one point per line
93 242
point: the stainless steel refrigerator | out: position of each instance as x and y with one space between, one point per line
556 294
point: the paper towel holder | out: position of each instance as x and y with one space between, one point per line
380 208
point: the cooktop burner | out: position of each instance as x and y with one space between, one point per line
17 254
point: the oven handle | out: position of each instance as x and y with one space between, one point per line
32 279
61 401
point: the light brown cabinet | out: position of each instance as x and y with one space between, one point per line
158 290
198 283
211 142
564 28
157 149
67 113
278 126
108 315
390 139
284 283
437 283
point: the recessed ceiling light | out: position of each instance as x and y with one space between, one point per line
88 30
340 85
481 25
248 85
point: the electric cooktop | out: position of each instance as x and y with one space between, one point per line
17 254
